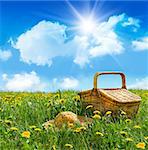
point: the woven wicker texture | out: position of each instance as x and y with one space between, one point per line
121 95
111 99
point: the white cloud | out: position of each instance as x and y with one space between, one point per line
5 55
23 82
102 42
66 83
4 76
42 42
131 21
140 84
141 44
47 40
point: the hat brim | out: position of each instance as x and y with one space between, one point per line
82 119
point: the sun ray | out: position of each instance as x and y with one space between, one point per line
74 10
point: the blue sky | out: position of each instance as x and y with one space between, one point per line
61 44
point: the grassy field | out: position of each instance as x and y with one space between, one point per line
22 116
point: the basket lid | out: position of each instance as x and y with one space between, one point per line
120 95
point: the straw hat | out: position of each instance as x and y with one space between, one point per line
67 117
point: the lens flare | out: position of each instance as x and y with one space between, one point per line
87 25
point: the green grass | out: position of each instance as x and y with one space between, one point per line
22 110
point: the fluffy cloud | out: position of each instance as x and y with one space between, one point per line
47 40
140 84
141 44
102 42
5 55
66 83
41 43
23 82
131 21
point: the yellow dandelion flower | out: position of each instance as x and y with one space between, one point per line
108 113
99 133
97 112
141 145
123 112
32 127
129 139
14 129
77 130
96 116
89 106
137 127
8 122
123 133
62 101
82 128
38 129
128 120
26 134
69 146
57 96
70 125
146 137
54 147
76 98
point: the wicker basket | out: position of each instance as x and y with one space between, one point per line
113 99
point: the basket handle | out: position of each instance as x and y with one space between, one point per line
106 73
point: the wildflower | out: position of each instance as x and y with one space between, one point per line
108 113
49 95
50 103
96 112
96 116
14 129
128 120
146 137
76 98
18 98
70 125
32 127
123 133
69 146
141 145
77 130
26 134
99 133
54 147
37 129
57 96
137 127
8 122
89 106
123 112
129 139
62 101
82 128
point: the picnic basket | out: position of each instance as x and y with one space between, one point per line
113 99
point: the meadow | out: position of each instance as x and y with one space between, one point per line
22 116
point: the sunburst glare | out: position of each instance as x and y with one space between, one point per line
87 25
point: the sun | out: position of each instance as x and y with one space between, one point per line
87 25
86 22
